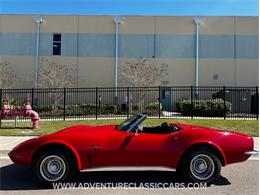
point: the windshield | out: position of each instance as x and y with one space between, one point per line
131 123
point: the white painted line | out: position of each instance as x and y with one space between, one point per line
4 158
10 143
253 158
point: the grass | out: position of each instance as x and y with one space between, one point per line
249 127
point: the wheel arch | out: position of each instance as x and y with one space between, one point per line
59 145
217 151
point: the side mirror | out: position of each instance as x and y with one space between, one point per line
139 128
136 131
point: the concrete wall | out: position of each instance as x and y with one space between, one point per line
228 47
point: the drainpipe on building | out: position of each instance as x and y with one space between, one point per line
197 21
38 20
117 20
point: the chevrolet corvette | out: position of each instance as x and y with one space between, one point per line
196 153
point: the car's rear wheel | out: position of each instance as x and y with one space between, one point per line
54 166
200 165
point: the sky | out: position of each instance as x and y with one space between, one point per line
132 7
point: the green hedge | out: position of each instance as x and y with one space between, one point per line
152 108
213 108
42 108
74 110
90 109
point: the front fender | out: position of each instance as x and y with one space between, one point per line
69 146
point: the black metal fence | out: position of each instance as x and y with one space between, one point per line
156 102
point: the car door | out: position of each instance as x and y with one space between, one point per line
143 149
99 152
103 152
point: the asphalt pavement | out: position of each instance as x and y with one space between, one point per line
240 178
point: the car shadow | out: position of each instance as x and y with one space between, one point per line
15 177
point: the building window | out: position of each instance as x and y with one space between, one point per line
56 45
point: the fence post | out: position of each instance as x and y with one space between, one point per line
96 113
256 102
1 98
128 103
224 98
191 99
159 99
32 101
64 103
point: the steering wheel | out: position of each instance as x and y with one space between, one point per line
165 125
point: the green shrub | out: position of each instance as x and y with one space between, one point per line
135 108
87 109
74 110
213 108
107 109
152 108
42 108
90 109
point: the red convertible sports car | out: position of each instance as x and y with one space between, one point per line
197 153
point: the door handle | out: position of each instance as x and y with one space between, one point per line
96 148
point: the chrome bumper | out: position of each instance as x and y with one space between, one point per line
251 152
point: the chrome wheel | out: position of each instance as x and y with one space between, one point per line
52 168
202 167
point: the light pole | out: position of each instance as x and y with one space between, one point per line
38 20
117 20
198 22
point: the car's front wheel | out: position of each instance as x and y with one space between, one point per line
53 166
200 165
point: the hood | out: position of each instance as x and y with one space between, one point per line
85 129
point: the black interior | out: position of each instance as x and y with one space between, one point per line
164 128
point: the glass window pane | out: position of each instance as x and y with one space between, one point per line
56 48
56 37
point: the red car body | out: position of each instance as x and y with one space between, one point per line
99 146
